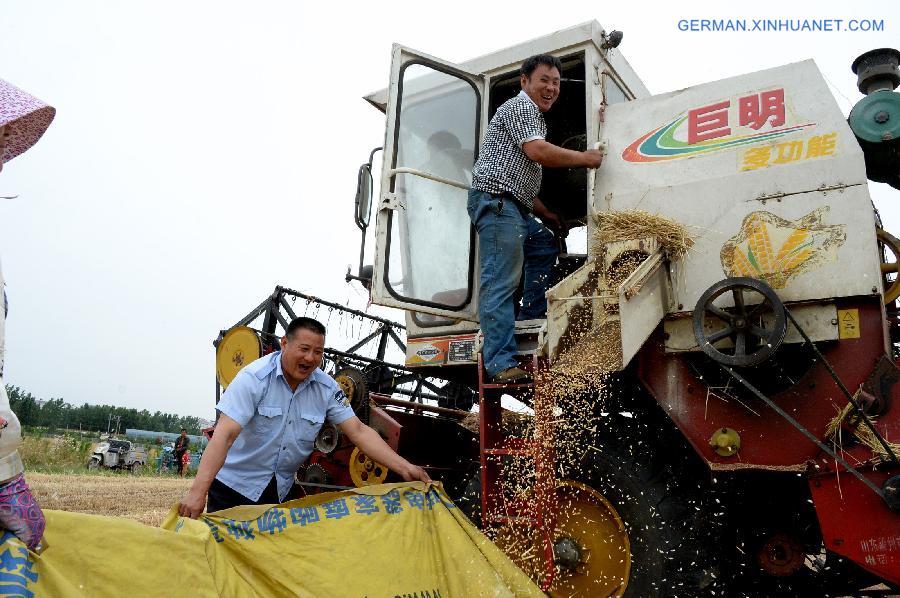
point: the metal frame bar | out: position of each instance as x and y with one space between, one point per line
388 377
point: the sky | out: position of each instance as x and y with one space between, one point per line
204 152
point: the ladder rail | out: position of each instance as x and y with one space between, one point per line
539 510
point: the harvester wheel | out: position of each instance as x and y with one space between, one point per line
94 463
590 544
891 287
757 330
663 526
631 533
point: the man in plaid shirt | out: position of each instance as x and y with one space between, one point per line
503 203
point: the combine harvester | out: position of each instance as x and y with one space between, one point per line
747 441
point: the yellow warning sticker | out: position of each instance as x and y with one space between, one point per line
848 323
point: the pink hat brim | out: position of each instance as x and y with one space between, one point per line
26 118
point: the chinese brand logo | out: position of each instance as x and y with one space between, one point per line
722 125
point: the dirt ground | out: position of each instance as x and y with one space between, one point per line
146 499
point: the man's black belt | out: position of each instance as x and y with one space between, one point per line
507 195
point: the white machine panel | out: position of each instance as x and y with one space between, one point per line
765 173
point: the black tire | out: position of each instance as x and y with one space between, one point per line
467 495
93 463
672 551
764 506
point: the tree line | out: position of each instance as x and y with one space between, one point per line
56 414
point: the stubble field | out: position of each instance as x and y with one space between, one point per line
146 499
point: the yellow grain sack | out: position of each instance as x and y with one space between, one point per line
381 541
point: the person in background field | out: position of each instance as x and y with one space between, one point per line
23 119
269 417
184 463
181 446
502 204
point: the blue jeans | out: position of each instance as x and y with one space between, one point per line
508 243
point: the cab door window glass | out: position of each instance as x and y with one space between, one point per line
430 252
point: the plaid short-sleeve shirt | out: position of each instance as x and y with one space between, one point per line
503 166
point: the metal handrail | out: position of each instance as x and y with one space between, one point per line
429 176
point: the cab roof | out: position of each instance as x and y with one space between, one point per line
554 43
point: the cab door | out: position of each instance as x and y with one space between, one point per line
425 243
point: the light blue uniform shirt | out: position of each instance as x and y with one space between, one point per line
278 426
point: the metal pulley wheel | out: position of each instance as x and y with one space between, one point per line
364 471
239 347
327 439
315 474
756 324
892 244
353 383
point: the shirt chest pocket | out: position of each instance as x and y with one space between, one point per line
268 420
307 426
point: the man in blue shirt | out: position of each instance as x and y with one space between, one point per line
269 417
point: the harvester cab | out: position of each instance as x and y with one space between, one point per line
757 360
436 113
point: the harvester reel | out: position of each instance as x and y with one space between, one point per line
239 347
892 244
364 471
743 324
353 383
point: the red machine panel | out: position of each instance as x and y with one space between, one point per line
857 524
699 408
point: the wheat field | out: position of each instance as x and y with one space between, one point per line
146 499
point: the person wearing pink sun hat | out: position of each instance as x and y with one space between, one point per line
23 120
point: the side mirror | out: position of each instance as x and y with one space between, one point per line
364 196
363 214
364 193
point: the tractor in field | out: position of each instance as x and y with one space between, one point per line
746 438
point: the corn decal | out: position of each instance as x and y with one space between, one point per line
802 245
